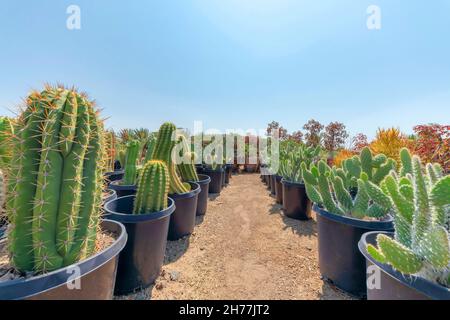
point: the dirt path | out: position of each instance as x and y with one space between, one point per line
244 248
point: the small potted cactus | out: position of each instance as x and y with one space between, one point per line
216 172
114 172
185 194
55 203
345 211
127 185
296 204
414 262
146 217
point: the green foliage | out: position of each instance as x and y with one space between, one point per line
292 155
421 245
131 159
6 135
353 190
153 188
57 178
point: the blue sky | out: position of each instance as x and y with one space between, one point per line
236 63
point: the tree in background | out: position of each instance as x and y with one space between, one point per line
335 136
359 142
276 126
390 142
313 134
432 144
296 136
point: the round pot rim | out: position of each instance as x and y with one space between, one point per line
206 179
195 191
51 280
385 225
214 171
116 186
424 286
136 218
291 183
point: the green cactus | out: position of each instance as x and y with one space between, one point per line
421 243
55 203
292 155
167 137
355 190
110 141
131 158
150 148
186 168
153 188
6 134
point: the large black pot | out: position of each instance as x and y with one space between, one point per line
202 203
97 276
216 179
391 284
224 176
141 261
182 221
199 168
228 173
278 189
296 204
114 176
123 190
273 184
340 261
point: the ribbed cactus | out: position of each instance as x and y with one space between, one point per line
150 149
346 191
167 137
110 141
54 206
291 158
186 168
422 205
153 188
6 135
131 158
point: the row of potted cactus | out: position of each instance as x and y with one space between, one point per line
383 228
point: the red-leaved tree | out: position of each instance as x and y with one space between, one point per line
313 134
432 144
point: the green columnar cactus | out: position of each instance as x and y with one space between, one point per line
291 158
153 188
55 203
110 140
186 168
150 149
346 191
422 205
131 159
2 193
164 151
6 134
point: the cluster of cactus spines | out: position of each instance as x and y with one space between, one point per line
6 133
354 190
132 154
421 200
55 203
186 168
153 188
167 138
150 149
291 159
110 141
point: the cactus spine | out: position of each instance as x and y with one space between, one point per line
334 188
186 168
164 151
56 200
131 159
422 204
153 188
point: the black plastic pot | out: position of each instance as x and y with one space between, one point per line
202 203
199 168
141 261
392 284
97 276
269 181
109 196
182 221
273 184
216 180
296 204
228 170
123 190
278 189
224 177
114 176
340 261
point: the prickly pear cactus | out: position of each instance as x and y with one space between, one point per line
167 137
186 168
346 191
131 158
153 188
291 158
54 204
422 205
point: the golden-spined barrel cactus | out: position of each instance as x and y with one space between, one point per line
58 158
